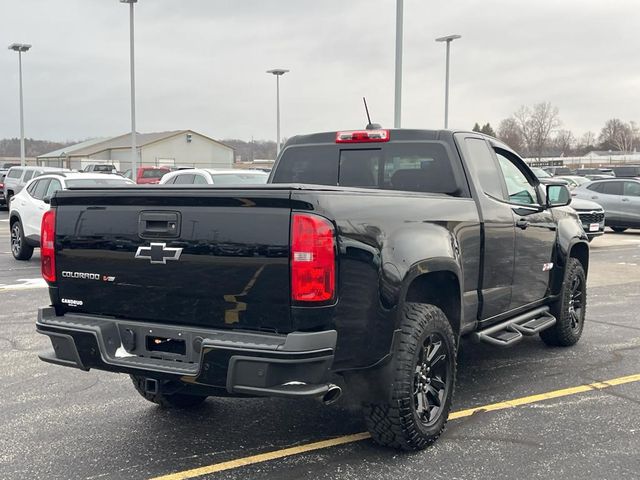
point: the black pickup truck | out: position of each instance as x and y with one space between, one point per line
361 263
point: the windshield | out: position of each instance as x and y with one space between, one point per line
154 172
96 182
239 178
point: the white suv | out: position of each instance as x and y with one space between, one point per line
28 206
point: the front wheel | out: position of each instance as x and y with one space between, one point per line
570 308
174 400
420 389
19 247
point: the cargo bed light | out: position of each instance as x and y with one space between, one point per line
362 136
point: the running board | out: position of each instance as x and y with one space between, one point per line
515 329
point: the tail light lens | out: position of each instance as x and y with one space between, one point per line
47 246
313 262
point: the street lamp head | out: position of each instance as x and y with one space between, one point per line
128 1
448 38
278 71
19 47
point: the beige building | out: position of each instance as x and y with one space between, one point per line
174 148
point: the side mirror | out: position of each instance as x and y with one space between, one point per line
558 196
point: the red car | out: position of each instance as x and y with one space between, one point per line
148 174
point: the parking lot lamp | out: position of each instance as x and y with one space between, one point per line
397 110
20 48
278 72
134 153
448 39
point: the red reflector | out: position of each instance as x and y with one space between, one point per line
47 246
362 136
313 262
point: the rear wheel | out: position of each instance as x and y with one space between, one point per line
174 400
570 309
618 229
420 390
19 247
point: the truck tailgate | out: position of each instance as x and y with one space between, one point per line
206 257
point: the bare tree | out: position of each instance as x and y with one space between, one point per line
619 135
565 142
509 132
537 124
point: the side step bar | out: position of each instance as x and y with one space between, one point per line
513 330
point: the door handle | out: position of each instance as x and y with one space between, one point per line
522 223
594 197
625 199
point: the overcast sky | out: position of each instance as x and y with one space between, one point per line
200 64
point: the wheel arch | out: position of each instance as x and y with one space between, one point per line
437 282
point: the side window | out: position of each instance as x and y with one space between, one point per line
31 188
596 187
186 179
28 175
518 187
171 181
200 180
41 189
484 164
612 188
54 186
632 189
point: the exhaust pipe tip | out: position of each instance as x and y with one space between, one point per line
332 395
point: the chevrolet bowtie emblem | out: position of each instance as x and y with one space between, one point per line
159 253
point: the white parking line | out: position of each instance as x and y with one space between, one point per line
24 284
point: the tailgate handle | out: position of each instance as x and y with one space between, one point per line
159 224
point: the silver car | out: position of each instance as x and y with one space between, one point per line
17 177
620 199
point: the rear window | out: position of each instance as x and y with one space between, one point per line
103 168
153 173
239 178
97 182
417 167
15 173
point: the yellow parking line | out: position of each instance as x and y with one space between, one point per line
309 447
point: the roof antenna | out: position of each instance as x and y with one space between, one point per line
370 126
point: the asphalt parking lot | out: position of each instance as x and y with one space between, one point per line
60 423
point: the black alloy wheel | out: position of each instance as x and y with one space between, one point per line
431 379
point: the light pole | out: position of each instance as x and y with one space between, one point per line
278 72
397 111
448 39
134 153
20 48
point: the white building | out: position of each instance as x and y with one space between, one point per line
175 148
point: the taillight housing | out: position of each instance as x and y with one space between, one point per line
313 259
363 136
47 246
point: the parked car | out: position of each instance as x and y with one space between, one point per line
573 181
147 175
627 171
215 177
586 172
591 215
17 177
100 168
558 171
3 202
368 256
620 199
29 205
597 176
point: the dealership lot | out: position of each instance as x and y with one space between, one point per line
63 423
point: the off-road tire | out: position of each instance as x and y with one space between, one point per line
618 229
395 422
569 321
19 247
175 400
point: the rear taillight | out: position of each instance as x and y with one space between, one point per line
47 246
313 262
362 136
